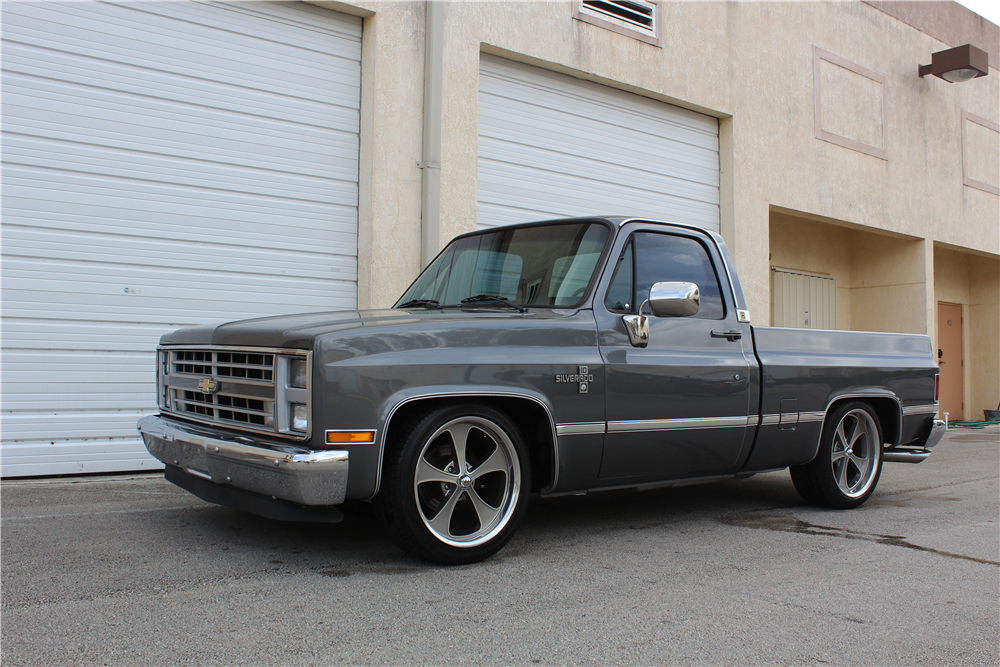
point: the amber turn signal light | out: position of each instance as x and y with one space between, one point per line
350 437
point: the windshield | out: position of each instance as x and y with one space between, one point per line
548 265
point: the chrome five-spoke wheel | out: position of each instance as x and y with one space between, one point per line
854 455
466 481
846 469
456 484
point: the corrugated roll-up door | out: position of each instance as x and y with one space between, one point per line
551 145
803 300
165 164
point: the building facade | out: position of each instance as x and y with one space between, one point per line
179 163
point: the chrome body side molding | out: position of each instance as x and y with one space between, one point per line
582 428
926 409
681 424
597 428
806 417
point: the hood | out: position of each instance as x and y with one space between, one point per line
299 331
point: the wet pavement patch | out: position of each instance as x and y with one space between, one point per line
790 524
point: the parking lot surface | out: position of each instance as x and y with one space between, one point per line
134 571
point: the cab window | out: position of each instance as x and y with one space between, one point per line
651 257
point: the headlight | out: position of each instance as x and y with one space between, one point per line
298 373
300 417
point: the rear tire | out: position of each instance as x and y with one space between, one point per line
455 484
849 462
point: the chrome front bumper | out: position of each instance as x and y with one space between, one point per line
282 471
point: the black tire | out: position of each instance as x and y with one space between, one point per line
437 512
846 470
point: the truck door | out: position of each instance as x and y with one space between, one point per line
678 407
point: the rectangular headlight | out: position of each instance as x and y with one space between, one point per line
300 417
298 373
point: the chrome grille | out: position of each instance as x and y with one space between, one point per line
242 389
252 366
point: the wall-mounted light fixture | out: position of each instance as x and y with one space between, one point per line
959 64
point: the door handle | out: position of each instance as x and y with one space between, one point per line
728 335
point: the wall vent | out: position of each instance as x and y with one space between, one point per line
636 18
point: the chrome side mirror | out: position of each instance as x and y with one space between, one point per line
674 299
667 299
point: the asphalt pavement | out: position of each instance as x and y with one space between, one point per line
130 570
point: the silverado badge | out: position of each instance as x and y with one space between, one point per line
208 385
582 376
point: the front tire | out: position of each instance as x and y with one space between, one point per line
456 484
849 462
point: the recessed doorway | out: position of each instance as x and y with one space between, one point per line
951 360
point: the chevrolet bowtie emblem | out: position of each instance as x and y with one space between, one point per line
208 385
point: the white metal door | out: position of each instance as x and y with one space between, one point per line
165 164
551 145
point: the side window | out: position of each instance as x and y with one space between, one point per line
663 257
619 296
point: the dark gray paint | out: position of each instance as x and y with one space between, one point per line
683 373
817 367
368 363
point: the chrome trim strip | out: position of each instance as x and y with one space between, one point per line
812 416
581 428
925 409
291 473
770 420
462 394
715 240
679 424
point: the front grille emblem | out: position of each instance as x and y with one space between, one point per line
208 386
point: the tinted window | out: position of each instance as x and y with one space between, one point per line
542 265
665 258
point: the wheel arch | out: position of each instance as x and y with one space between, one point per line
530 413
884 403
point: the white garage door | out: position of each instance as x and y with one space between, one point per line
165 164
551 145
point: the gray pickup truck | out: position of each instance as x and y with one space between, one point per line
558 357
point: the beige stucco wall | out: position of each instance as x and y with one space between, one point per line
748 63
751 64
984 341
880 278
817 248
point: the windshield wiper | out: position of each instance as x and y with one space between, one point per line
492 298
425 303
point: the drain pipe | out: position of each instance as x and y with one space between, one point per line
430 191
